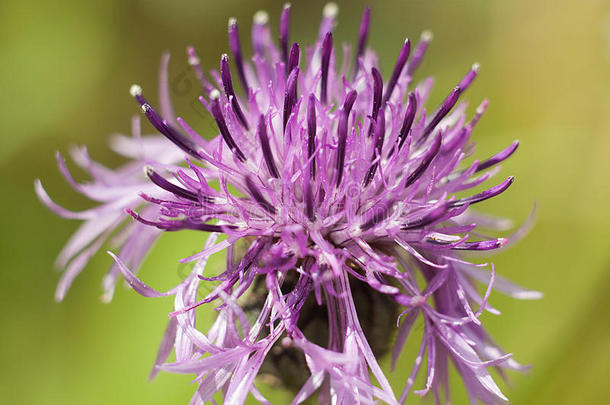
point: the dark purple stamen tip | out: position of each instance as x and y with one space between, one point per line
195 226
327 47
235 45
363 34
222 125
311 133
427 219
350 99
136 92
227 82
290 95
482 245
492 192
258 197
376 157
426 160
293 57
308 197
284 31
420 51
161 182
408 120
377 96
177 225
342 134
400 64
225 74
261 131
443 110
171 133
499 157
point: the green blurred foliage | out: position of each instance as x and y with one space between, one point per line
66 68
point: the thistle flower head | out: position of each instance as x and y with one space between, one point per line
334 188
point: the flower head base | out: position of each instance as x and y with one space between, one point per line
342 189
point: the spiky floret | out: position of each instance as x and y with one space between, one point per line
331 179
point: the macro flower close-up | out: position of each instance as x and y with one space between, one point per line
335 190
338 235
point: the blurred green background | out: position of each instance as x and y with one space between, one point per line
65 71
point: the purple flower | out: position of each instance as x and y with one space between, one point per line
333 195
